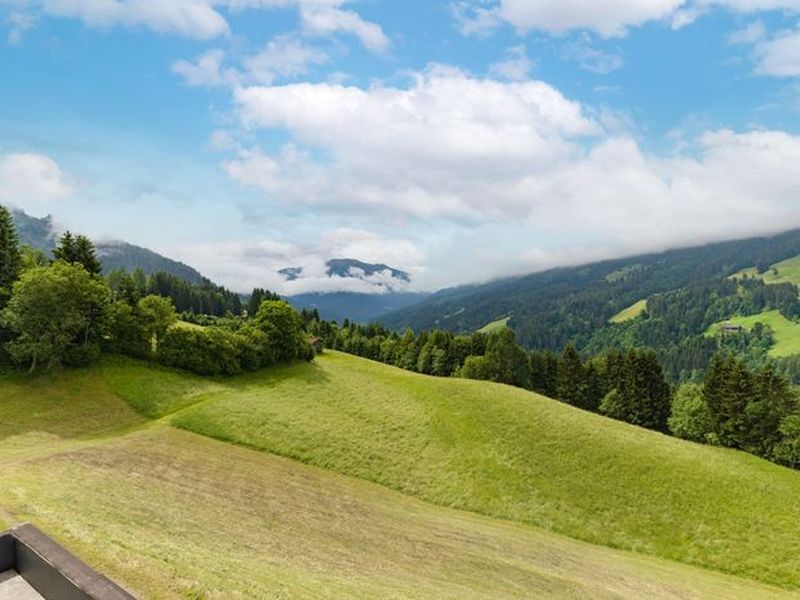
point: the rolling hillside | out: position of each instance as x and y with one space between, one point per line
510 454
171 514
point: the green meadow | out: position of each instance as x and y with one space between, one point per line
495 326
350 478
786 333
630 313
787 271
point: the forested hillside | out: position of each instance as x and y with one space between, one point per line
42 234
576 305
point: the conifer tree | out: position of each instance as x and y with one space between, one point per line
65 249
10 258
571 382
86 255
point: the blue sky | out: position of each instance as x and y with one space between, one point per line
460 140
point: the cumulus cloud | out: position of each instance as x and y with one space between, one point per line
28 179
436 147
610 18
191 18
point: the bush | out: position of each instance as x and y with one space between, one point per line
81 355
690 418
208 351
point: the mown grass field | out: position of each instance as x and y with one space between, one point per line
495 326
510 454
786 333
172 514
630 313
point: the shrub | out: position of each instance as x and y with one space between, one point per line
207 351
690 418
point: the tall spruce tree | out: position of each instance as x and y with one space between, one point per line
10 258
65 248
86 255
571 381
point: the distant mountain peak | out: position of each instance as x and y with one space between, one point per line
349 268
344 267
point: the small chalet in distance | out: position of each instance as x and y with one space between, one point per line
729 327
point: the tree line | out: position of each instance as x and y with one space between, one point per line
64 312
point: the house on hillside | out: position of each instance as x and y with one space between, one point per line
729 327
317 344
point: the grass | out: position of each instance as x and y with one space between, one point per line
187 325
787 271
495 326
152 390
171 514
786 333
174 515
630 313
513 455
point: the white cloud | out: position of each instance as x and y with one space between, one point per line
325 17
590 58
324 20
206 70
475 17
190 18
19 23
751 34
609 18
28 179
285 56
244 265
438 147
516 66
780 55
199 19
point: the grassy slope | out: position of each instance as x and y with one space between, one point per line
787 271
630 313
495 325
172 514
786 333
507 453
